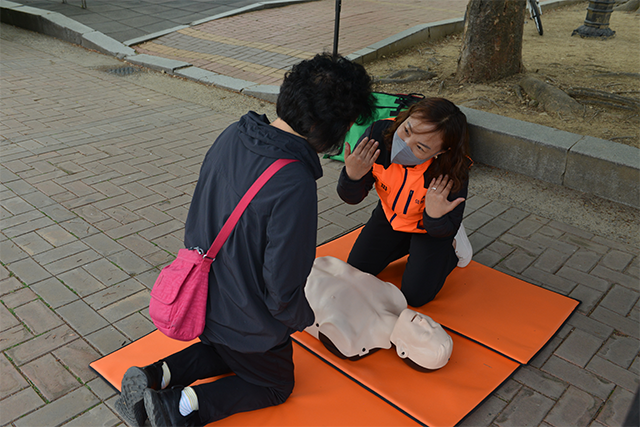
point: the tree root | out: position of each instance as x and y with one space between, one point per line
405 76
552 99
607 104
630 6
605 98
633 75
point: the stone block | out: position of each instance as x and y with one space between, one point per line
99 415
575 408
484 414
616 408
30 350
620 350
527 148
157 63
620 300
50 377
28 271
63 28
620 323
81 282
541 382
579 347
135 326
578 377
16 405
605 168
61 410
627 379
108 340
12 381
587 296
105 44
617 260
527 408
38 317
126 306
76 356
267 92
583 260
81 317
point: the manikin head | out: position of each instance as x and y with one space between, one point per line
355 312
421 340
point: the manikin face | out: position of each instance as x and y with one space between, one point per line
419 338
420 138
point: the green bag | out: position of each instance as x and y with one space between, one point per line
386 105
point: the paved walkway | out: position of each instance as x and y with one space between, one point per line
257 46
96 174
128 19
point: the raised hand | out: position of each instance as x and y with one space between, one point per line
436 203
361 160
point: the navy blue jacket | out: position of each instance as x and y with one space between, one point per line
256 284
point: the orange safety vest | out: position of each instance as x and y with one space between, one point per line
402 192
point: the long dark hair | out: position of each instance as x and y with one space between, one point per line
452 124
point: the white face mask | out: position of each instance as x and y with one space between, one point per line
402 154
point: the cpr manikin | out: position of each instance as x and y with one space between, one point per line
421 341
356 313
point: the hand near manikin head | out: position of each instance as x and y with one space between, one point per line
357 314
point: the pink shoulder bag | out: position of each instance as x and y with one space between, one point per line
178 305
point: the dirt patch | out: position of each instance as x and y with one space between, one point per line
556 57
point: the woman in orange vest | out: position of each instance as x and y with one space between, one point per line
419 165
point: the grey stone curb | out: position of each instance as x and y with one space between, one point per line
594 166
604 168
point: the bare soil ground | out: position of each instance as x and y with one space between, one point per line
611 65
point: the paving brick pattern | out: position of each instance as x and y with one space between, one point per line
261 46
95 179
127 19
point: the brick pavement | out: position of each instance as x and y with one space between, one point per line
261 46
129 19
95 180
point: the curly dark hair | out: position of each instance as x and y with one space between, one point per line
321 98
452 124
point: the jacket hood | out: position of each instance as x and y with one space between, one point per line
258 136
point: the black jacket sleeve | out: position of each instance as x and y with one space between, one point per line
353 192
447 225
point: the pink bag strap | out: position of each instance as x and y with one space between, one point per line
240 208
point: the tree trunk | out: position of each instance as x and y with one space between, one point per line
492 41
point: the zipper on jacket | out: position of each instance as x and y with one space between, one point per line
406 206
404 180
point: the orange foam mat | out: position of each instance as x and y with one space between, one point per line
322 396
499 311
437 398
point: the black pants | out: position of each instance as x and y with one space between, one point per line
430 261
260 380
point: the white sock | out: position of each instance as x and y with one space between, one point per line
188 401
166 376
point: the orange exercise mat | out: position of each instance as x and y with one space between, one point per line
322 396
499 311
438 398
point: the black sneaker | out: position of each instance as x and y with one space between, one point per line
163 408
130 404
